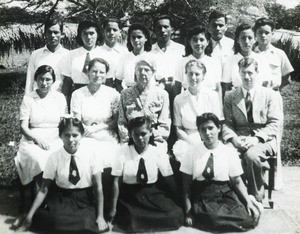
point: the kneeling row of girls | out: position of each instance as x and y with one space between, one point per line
145 196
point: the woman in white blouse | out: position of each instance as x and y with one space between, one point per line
243 47
74 202
215 196
40 114
138 205
138 43
194 101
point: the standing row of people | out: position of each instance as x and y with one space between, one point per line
163 95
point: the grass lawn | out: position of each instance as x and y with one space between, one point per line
11 93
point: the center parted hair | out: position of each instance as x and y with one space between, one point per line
139 122
98 60
205 117
84 25
44 69
193 32
239 29
68 122
145 31
195 63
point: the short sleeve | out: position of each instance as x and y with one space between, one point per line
50 168
118 162
177 114
187 161
76 104
96 162
235 167
164 165
286 66
25 108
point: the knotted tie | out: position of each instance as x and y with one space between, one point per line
208 172
73 172
86 63
141 176
248 103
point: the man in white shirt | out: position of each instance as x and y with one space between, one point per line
168 55
112 50
222 46
51 54
252 119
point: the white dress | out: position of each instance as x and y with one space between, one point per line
186 108
98 109
44 116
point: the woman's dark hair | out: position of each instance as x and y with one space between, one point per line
111 20
84 25
98 60
238 30
205 117
145 31
262 22
195 31
67 122
139 122
44 69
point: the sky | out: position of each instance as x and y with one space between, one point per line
289 3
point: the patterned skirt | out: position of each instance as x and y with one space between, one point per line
67 210
145 208
215 206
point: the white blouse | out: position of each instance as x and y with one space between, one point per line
43 112
127 161
226 162
213 71
88 160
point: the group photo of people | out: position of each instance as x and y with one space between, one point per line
151 135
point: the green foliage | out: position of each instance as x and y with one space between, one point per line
284 18
293 53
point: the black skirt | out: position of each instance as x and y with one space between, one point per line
69 210
215 206
145 208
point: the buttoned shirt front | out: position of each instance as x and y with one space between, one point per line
127 161
226 162
113 56
278 61
44 56
168 60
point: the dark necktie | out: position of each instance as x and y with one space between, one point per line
208 172
86 63
141 176
73 172
249 107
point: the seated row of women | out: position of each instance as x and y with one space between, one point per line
214 196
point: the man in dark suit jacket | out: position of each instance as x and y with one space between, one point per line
252 117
